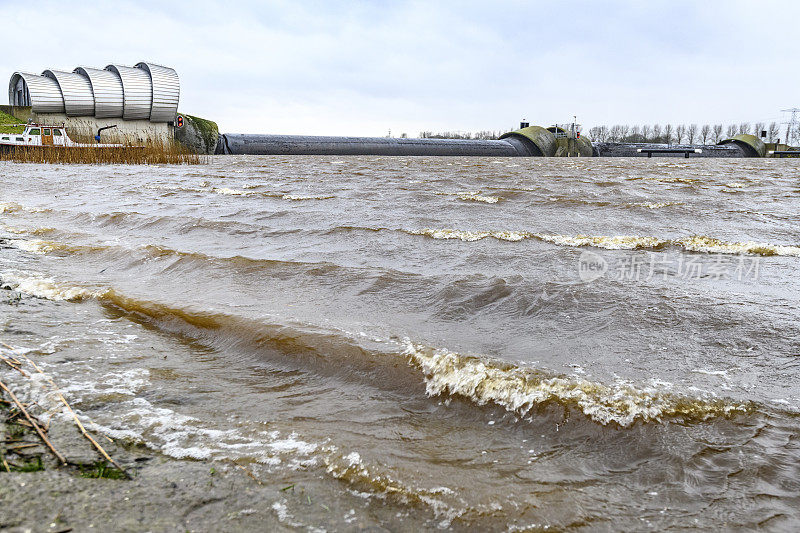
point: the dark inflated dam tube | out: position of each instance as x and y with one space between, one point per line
249 144
750 145
527 142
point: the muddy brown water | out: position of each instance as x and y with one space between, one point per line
466 343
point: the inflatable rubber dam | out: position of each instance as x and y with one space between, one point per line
528 141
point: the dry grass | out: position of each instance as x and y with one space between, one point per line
149 154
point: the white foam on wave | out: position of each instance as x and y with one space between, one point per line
299 197
42 287
9 207
477 197
695 243
231 192
519 390
469 236
36 246
352 469
615 242
656 205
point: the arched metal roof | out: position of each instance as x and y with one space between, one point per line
166 92
45 95
107 89
137 91
76 90
146 92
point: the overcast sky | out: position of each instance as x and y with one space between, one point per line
362 68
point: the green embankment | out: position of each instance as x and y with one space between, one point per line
206 129
5 120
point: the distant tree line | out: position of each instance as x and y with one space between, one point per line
480 135
682 133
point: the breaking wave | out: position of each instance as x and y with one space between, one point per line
695 243
230 192
44 287
477 197
297 197
10 207
615 242
470 236
520 390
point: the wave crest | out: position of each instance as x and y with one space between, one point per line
470 236
520 390
694 243
477 197
42 287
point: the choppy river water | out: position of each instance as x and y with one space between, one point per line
466 343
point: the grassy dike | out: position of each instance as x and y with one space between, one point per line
198 134
6 120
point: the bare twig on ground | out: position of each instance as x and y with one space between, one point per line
69 408
33 423
246 471
14 366
22 446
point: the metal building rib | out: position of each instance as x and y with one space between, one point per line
45 95
137 91
107 90
76 91
165 91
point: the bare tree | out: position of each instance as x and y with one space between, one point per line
744 128
636 134
680 132
705 133
758 127
657 133
717 133
691 133
646 132
731 131
669 131
774 131
623 132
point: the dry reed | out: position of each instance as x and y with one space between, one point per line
64 401
153 153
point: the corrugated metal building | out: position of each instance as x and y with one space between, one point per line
144 92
